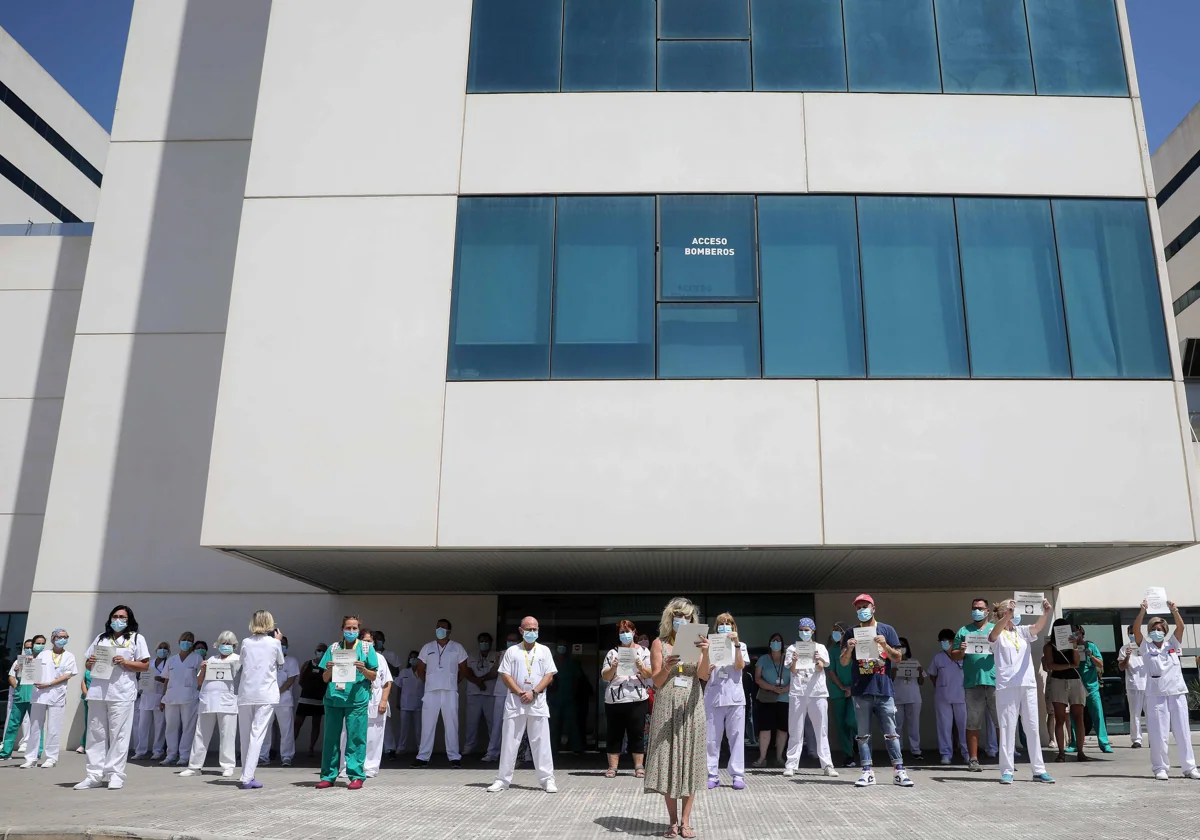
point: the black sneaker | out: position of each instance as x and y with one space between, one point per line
457 765
418 764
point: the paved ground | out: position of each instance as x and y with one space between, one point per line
1115 798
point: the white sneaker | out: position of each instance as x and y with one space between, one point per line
788 771
89 783
1161 776
227 773
48 764
166 762
550 787
137 756
264 762
29 762
497 786
830 772
945 760
115 783
901 778
867 779
1192 774
190 772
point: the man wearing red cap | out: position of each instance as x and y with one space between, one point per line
872 691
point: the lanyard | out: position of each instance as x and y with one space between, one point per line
1014 638
57 657
529 660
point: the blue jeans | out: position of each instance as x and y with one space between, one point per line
884 708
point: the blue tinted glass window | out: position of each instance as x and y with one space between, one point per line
811 300
984 46
703 18
708 341
500 315
798 45
912 296
891 46
707 247
604 289
1110 289
1076 48
515 46
608 45
704 65
1010 283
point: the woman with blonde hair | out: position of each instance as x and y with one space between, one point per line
1166 693
725 709
676 757
262 657
218 707
1016 686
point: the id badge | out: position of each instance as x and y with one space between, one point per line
683 682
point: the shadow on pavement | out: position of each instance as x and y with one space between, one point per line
631 825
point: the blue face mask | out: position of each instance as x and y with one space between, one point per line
865 614
776 645
978 614
441 633
561 650
350 635
163 653
511 643
678 622
225 649
185 645
530 636
485 646
1155 636
412 661
945 644
283 648
626 638
836 635
805 635
118 625
60 643
725 628
38 649
1016 619
202 651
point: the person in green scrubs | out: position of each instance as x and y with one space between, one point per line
841 707
346 705
23 696
1091 666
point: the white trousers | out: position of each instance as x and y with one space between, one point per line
151 733
479 707
109 725
254 725
800 710
1168 715
908 719
1011 703
376 732
226 724
729 722
46 721
495 732
285 714
515 728
444 703
408 730
181 729
950 715
391 727
1137 702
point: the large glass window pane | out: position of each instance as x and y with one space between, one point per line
891 46
798 45
703 18
500 315
704 65
708 341
707 247
604 289
608 46
1115 319
984 46
811 299
912 296
515 46
1076 48
1010 283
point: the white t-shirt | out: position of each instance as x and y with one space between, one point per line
261 658
152 690
949 676
412 690
383 676
220 696
500 689
181 679
807 681
1163 672
626 689
480 664
527 668
905 689
1014 661
290 668
441 665
122 686
50 670
1135 671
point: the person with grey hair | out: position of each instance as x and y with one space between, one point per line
218 679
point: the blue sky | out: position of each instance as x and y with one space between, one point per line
82 43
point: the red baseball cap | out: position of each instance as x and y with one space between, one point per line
865 597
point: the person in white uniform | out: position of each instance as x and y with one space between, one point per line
725 707
377 713
908 702
218 707
150 729
482 671
526 671
412 691
55 667
808 698
949 698
288 676
180 701
1166 692
390 733
441 664
1131 662
499 693
111 698
1016 687
261 658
